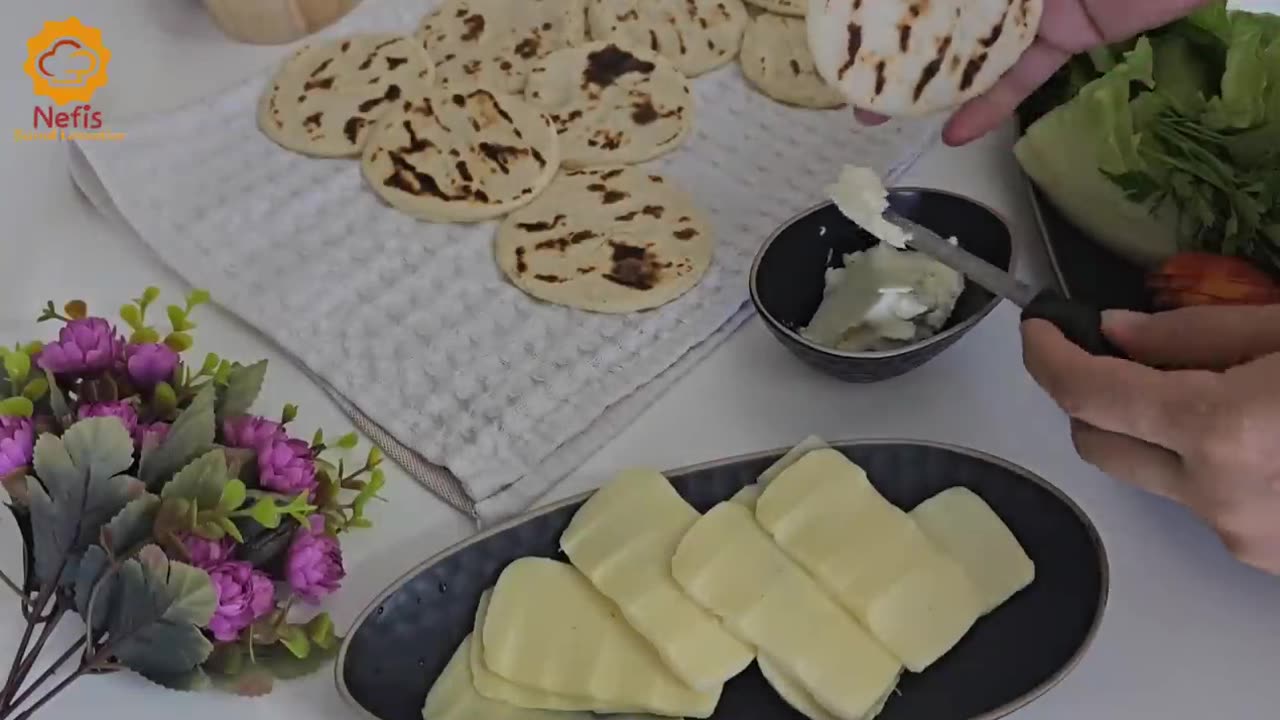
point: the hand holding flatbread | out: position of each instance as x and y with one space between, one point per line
904 58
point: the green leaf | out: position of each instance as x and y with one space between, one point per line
132 317
91 574
132 526
202 481
149 295
320 630
17 365
284 665
360 522
224 370
144 336
36 389
233 495
177 318
179 341
197 297
164 399
265 513
190 436
193 680
289 413
57 401
211 530
16 407
242 388
230 528
155 629
317 438
210 364
295 639
375 457
80 489
348 441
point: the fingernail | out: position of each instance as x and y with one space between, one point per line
1122 321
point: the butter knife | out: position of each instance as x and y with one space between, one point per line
1080 323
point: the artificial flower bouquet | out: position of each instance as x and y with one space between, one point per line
186 533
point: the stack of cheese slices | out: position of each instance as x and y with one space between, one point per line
832 590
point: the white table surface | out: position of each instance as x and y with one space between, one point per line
1188 632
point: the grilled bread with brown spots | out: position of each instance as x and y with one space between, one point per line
697 35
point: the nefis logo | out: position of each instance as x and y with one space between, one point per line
67 63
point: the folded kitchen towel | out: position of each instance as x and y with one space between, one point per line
484 395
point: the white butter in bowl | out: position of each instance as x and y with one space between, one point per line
887 296
882 299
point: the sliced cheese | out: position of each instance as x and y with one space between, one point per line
869 554
965 527
547 627
802 448
747 496
729 565
495 687
794 694
622 540
453 696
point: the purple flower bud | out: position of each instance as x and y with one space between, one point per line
121 410
17 442
154 432
314 564
285 466
250 431
150 363
86 345
244 596
207 554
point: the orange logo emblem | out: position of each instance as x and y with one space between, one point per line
67 61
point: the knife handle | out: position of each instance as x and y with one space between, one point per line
1080 323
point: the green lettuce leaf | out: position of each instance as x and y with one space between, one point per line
1072 152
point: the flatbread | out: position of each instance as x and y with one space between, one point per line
794 8
461 157
325 98
612 105
904 58
776 60
696 35
610 240
492 43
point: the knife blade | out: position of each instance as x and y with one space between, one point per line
1080 323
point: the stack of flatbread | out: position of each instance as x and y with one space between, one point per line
538 111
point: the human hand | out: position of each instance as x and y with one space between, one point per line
1198 421
1067 27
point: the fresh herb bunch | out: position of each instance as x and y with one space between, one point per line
1184 124
185 532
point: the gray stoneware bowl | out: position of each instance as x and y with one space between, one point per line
788 276
402 641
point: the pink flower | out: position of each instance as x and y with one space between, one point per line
206 554
244 596
85 345
121 410
314 564
285 466
250 431
155 432
150 363
17 442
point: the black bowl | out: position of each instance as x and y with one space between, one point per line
402 641
788 277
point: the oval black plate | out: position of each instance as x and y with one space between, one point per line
402 641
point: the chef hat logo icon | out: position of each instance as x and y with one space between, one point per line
67 61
